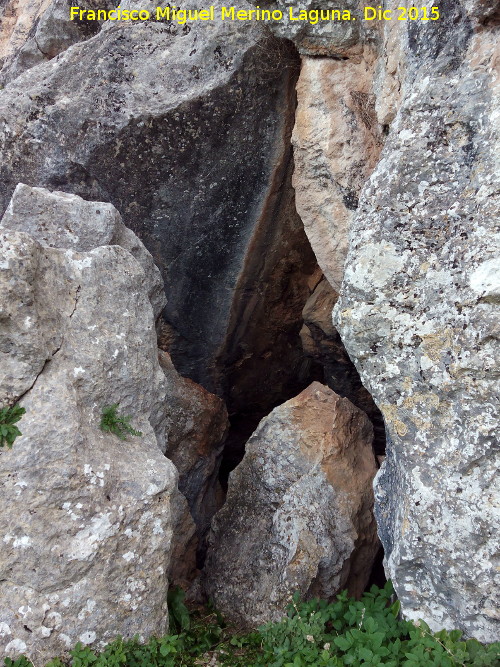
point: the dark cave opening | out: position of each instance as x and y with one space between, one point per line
377 576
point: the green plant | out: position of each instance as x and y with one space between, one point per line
365 632
9 417
318 633
114 423
178 613
20 662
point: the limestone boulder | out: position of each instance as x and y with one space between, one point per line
184 129
62 220
298 514
418 313
87 519
54 219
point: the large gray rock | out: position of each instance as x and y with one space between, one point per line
298 514
33 31
185 130
63 220
88 519
55 219
418 312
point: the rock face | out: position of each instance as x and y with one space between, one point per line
298 514
34 31
196 428
176 101
186 131
335 38
418 312
87 521
62 220
337 140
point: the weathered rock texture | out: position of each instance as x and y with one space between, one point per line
298 514
62 220
86 525
87 520
33 31
337 141
186 131
337 39
196 428
418 312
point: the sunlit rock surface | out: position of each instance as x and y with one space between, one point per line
298 515
86 520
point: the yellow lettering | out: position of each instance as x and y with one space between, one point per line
73 12
227 12
373 16
241 15
162 14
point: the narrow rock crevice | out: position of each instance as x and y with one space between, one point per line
279 335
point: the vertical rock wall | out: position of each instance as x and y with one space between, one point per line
87 520
418 312
419 283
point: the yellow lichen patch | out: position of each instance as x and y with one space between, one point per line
389 411
421 424
391 416
401 428
434 345
407 383
425 399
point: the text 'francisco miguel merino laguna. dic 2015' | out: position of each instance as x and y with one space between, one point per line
212 13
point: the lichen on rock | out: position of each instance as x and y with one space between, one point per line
298 515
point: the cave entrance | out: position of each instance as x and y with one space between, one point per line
269 332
